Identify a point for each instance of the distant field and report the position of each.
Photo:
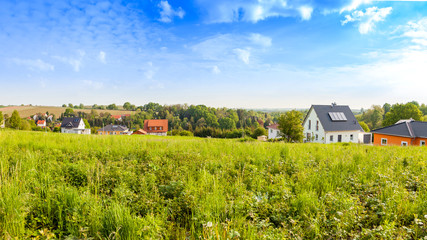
(66, 186)
(26, 111)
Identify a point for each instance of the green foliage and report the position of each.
(227, 123)
(64, 105)
(373, 117)
(290, 125)
(15, 120)
(364, 126)
(259, 132)
(24, 125)
(112, 107)
(69, 113)
(1, 117)
(87, 125)
(402, 111)
(121, 187)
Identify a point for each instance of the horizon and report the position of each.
(244, 54)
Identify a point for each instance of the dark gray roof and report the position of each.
(322, 112)
(115, 128)
(405, 129)
(70, 122)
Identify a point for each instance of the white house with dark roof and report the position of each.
(74, 125)
(331, 124)
(273, 131)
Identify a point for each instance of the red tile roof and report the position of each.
(41, 122)
(116, 116)
(140, 132)
(154, 125)
(274, 126)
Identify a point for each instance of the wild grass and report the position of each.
(144, 187)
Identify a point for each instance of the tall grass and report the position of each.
(143, 187)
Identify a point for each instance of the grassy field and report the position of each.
(141, 187)
(26, 111)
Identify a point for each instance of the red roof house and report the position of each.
(156, 127)
(41, 123)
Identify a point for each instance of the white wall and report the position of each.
(320, 133)
(345, 136)
(273, 133)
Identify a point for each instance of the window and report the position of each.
(317, 126)
(309, 124)
(161, 128)
(271, 130)
(351, 137)
(100, 133)
(317, 137)
(404, 144)
(331, 138)
(422, 143)
(308, 137)
(383, 141)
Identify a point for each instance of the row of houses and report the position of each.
(334, 123)
(76, 125)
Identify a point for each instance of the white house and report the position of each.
(331, 124)
(74, 125)
(41, 123)
(273, 131)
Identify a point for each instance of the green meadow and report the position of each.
(59, 186)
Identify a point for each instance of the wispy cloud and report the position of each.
(216, 70)
(34, 64)
(76, 63)
(102, 57)
(367, 20)
(306, 12)
(354, 4)
(93, 84)
(260, 39)
(416, 31)
(167, 13)
(243, 54)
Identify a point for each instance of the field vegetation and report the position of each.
(143, 187)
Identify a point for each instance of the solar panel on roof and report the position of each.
(337, 116)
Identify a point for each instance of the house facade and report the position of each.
(157, 127)
(331, 124)
(114, 130)
(273, 131)
(74, 125)
(403, 133)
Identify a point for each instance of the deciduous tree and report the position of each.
(15, 120)
(290, 125)
(402, 111)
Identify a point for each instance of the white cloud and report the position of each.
(102, 56)
(93, 84)
(367, 19)
(76, 63)
(242, 54)
(167, 13)
(253, 10)
(354, 5)
(36, 64)
(416, 31)
(260, 39)
(305, 12)
(216, 70)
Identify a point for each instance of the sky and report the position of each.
(222, 53)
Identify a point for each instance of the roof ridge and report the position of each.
(411, 132)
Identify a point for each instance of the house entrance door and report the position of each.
(339, 138)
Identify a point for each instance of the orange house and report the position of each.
(156, 127)
(403, 133)
(113, 130)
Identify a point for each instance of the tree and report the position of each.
(15, 120)
(1, 118)
(87, 126)
(112, 107)
(70, 105)
(386, 108)
(290, 125)
(227, 123)
(24, 125)
(81, 106)
(402, 111)
(127, 106)
(364, 126)
(259, 132)
(64, 105)
(373, 117)
(69, 112)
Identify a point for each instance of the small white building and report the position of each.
(74, 125)
(273, 131)
(41, 123)
(331, 124)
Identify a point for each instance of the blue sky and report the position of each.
(252, 54)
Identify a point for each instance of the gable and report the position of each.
(336, 118)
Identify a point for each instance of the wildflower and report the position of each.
(209, 224)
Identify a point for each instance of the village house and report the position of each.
(41, 123)
(74, 125)
(273, 131)
(403, 133)
(120, 117)
(331, 124)
(114, 130)
(157, 127)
